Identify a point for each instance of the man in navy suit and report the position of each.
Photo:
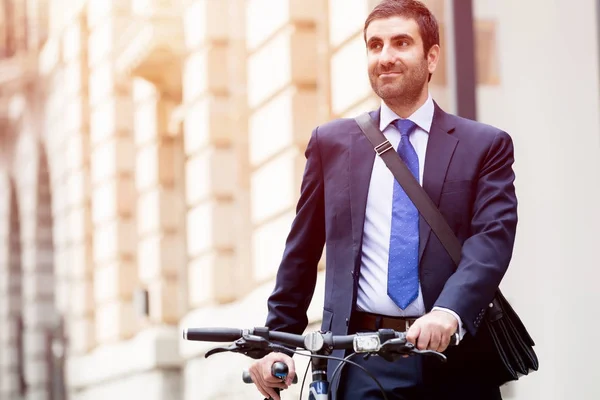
(384, 266)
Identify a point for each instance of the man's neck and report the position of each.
(405, 108)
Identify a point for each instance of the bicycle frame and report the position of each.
(319, 387)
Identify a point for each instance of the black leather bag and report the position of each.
(514, 354)
(511, 340)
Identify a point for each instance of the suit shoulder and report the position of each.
(469, 128)
(335, 127)
(335, 132)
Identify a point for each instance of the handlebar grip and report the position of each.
(454, 339)
(246, 377)
(278, 369)
(212, 334)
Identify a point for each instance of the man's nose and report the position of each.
(387, 57)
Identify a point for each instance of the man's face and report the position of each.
(398, 67)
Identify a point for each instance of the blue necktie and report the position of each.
(403, 265)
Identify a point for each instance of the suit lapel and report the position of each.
(362, 157)
(440, 148)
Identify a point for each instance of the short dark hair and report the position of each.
(428, 25)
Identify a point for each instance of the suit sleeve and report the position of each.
(297, 274)
(487, 252)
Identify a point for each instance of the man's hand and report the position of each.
(433, 331)
(260, 371)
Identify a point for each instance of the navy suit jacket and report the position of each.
(468, 174)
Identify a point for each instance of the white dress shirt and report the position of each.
(372, 283)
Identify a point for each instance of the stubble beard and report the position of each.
(407, 91)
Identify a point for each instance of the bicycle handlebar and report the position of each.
(363, 342)
(258, 342)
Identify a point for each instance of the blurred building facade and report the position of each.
(151, 153)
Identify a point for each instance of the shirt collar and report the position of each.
(423, 117)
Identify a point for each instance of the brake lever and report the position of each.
(249, 345)
(441, 356)
(216, 350)
(393, 349)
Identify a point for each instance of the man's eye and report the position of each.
(375, 46)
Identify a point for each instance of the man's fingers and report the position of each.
(433, 331)
(274, 381)
(265, 382)
(256, 381)
(278, 384)
(444, 343)
(260, 381)
(291, 371)
(267, 387)
(413, 334)
(435, 339)
(271, 381)
(272, 394)
(424, 338)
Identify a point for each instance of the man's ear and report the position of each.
(433, 56)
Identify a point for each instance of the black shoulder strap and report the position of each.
(411, 186)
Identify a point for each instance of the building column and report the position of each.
(282, 99)
(112, 176)
(37, 26)
(161, 204)
(16, 25)
(238, 99)
(31, 175)
(135, 222)
(66, 137)
(208, 137)
(67, 131)
(11, 345)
